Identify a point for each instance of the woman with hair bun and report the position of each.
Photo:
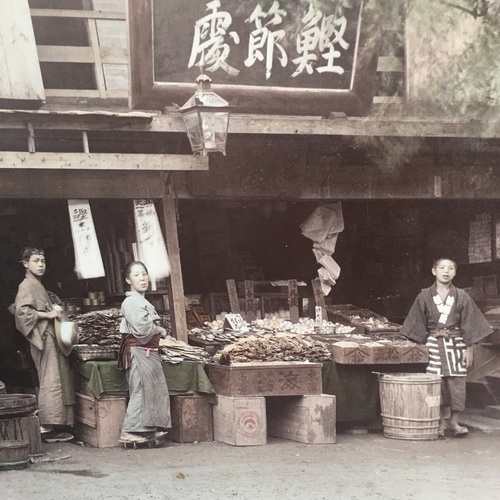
(148, 410)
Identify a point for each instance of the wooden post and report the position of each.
(233, 296)
(319, 297)
(249, 301)
(293, 300)
(176, 299)
(31, 138)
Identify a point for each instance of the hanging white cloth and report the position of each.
(150, 242)
(88, 260)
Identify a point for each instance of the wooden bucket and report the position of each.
(16, 405)
(13, 455)
(410, 404)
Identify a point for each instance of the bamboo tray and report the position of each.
(84, 352)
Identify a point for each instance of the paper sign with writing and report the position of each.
(234, 322)
(88, 260)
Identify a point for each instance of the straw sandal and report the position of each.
(459, 431)
(127, 437)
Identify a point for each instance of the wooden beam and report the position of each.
(252, 123)
(176, 299)
(84, 14)
(101, 161)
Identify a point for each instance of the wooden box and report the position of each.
(98, 422)
(240, 421)
(306, 419)
(414, 354)
(387, 354)
(351, 353)
(191, 418)
(266, 378)
(24, 429)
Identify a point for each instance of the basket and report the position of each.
(84, 352)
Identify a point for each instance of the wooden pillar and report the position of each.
(249, 301)
(233, 296)
(319, 298)
(293, 300)
(176, 299)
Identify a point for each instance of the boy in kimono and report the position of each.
(35, 311)
(449, 322)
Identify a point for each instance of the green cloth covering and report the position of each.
(104, 378)
(67, 383)
(355, 388)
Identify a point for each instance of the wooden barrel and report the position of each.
(410, 404)
(15, 405)
(13, 455)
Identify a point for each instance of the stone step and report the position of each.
(492, 411)
(478, 421)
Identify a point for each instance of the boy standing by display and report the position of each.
(35, 312)
(449, 322)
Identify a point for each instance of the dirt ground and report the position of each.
(356, 467)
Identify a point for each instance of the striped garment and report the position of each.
(446, 356)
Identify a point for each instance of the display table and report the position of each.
(356, 387)
(104, 377)
(101, 392)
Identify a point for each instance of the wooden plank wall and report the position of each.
(107, 51)
(20, 76)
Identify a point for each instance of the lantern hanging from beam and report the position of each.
(206, 116)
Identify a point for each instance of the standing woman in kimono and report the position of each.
(449, 322)
(148, 410)
(35, 310)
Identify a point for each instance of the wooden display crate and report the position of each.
(275, 378)
(191, 418)
(98, 422)
(306, 419)
(351, 353)
(23, 429)
(387, 354)
(414, 354)
(240, 421)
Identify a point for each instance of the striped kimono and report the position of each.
(446, 327)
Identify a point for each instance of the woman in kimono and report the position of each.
(35, 310)
(148, 410)
(449, 322)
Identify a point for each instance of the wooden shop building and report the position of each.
(87, 111)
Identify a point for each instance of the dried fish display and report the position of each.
(174, 351)
(370, 321)
(100, 334)
(214, 330)
(103, 327)
(99, 327)
(273, 347)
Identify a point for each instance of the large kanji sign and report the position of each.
(282, 56)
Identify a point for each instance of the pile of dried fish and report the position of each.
(273, 347)
(103, 327)
(173, 350)
(214, 330)
(224, 337)
(99, 327)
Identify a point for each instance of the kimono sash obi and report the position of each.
(447, 333)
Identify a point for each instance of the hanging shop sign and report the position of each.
(88, 260)
(272, 56)
(150, 242)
